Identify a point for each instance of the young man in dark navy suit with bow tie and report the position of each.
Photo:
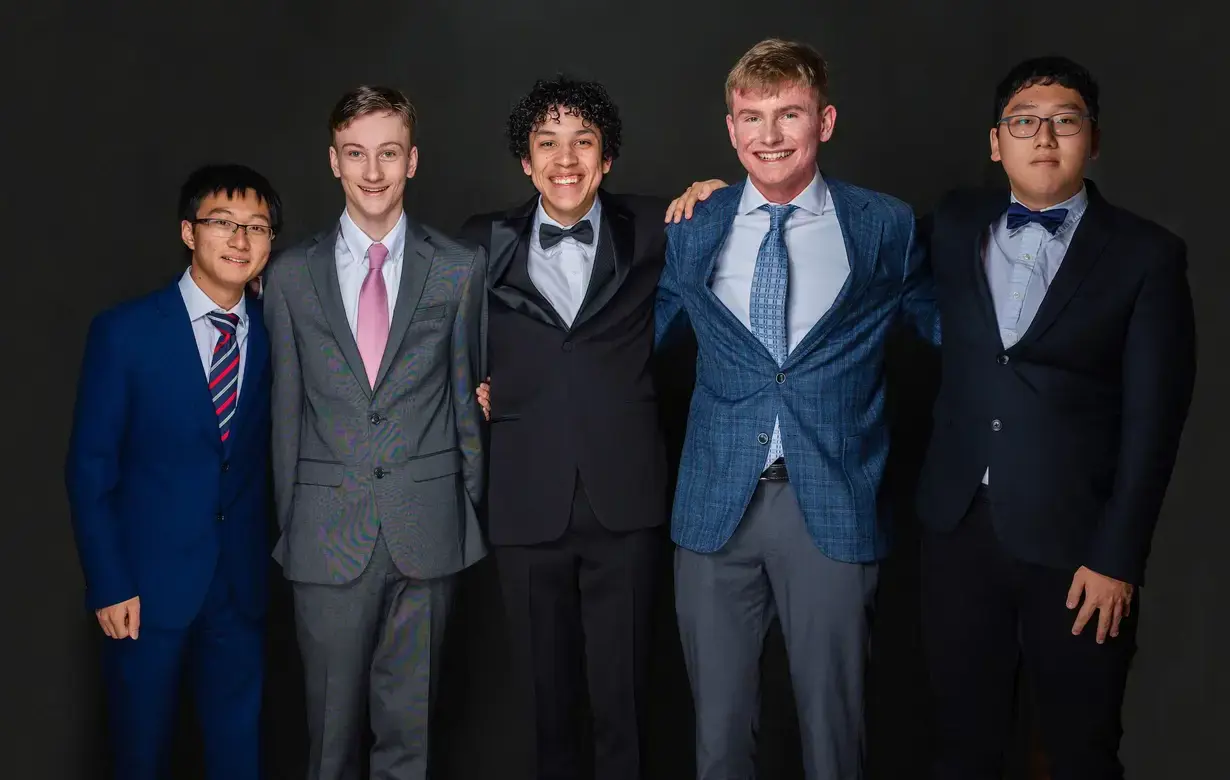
(1068, 365)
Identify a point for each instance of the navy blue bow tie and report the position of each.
(1051, 219)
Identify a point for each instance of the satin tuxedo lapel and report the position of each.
(861, 230)
(509, 280)
(185, 376)
(612, 260)
(322, 265)
(988, 212)
(416, 264)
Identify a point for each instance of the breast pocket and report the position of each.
(429, 314)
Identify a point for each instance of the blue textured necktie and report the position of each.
(770, 285)
(1051, 219)
(224, 370)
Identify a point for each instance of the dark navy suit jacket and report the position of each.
(159, 503)
(829, 394)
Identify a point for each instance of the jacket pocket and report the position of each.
(440, 464)
(318, 472)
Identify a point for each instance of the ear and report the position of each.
(730, 128)
(606, 165)
(526, 166)
(828, 120)
(187, 234)
(333, 162)
(412, 164)
(1095, 143)
(995, 144)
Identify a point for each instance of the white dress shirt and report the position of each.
(351, 255)
(206, 333)
(818, 262)
(1020, 265)
(562, 273)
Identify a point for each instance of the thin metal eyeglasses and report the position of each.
(227, 228)
(1027, 125)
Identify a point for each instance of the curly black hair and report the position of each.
(587, 99)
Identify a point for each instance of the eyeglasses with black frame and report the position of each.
(1027, 125)
(225, 228)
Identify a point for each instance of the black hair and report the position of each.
(1042, 71)
(587, 99)
(230, 178)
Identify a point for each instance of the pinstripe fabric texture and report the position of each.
(403, 458)
(827, 394)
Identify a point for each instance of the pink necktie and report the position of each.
(373, 325)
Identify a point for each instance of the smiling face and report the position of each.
(1048, 168)
(373, 158)
(225, 260)
(778, 135)
(566, 165)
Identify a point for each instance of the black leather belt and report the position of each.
(776, 472)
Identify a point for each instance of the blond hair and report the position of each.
(773, 64)
(366, 100)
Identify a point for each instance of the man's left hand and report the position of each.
(1110, 598)
(681, 207)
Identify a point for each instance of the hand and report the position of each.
(1109, 597)
(483, 391)
(120, 621)
(681, 207)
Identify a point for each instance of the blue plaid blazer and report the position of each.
(830, 392)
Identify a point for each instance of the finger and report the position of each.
(102, 623)
(1074, 592)
(670, 210)
(113, 628)
(1103, 622)
(1116, 617)
(134, 619)
(119, 619)
(1083, 616)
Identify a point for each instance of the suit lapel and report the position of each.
(509, 280)
(612, 260)
(255, 361)
(861, 231)
(185, 363)
(1090, 239)
(986, 214)
(322, 265)
(416, 264)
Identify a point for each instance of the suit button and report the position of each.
(763, 438)
(219, 517)
(379, 473)
(781, 379)
(225, 467)
(996, 425)
(375, 418)
(567, 346)
(1002, 360)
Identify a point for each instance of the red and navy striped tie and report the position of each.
(224, 370)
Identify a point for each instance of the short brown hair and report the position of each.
(774, 63)
(372, 100)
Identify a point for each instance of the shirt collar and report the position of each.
(813, 199)
(199, 304)
(1075, 205)
(541, 217)
(359, 242)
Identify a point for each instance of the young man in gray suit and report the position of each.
(375, 332)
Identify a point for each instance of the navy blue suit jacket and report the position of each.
(829, 394)
(159, 504)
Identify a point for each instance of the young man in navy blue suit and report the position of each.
(167, 481)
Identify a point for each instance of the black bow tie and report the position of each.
(550, 235)
(1051, 219)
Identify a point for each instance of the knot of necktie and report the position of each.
(778, 213)
(1051, 219)
(550, 235)
(377, 253)
(224, 321)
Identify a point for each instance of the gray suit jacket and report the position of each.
(404, 459)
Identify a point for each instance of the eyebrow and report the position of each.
(361, 147)
(582, 131)
(1015, 107)
(227, 212)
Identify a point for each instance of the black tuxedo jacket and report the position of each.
(1080, 420)
(580, 400)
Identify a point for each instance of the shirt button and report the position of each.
(1016, 296)
(763, 438)
(996, 425)
(1026, 257)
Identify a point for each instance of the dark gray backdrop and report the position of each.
(107, 110)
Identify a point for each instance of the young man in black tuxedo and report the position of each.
(1068, 365)
(578, 473)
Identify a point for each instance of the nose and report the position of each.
(1046, 136)
(371, 171)
(568, 156)
(239, 239)
(770, 133)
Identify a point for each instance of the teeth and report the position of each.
(565, 180)
(373, 191)
(773, 155)
(234, 260)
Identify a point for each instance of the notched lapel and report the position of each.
(1090, 239)
(417, 258)
(322, 265)
(187, 366)
(255, 362)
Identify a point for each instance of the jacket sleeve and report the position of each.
(469, 353)
(286, 411)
